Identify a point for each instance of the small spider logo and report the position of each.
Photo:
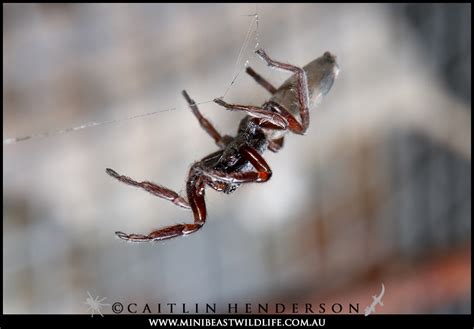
(95, 304)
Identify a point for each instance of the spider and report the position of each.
(239, 159)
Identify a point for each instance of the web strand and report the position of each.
(236, 73)
(237, 69)
(14, 140)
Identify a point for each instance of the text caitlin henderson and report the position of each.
(240, 308)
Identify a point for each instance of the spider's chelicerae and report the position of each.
(239, 159)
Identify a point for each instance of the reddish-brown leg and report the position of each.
(157, 190)
(262, 174)
(261, 81)
(293, 125)
(276, 119)
(301, 88)
(199, 177)
(221, 141)
(195, 190)
(162, 234)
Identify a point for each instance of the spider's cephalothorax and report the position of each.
(239, 159)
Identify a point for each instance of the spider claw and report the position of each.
(112, 172)
(220, 102)
(186, 96)
(263, 55)
(260, 52)
(121, 235)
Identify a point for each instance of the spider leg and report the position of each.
(195, 190)
(221, 141)
(162, 234)
(198, 178)
(261, 81)
(263, 173)
(301, 87)
(293, 125)
(157, 190)
(267, 116)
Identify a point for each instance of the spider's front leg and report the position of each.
(198, 178)
(195, 191)
(263, 173)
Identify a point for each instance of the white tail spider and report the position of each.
(239, 159)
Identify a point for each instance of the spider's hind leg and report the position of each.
(301, 89)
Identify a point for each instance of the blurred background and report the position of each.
(378, 191)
